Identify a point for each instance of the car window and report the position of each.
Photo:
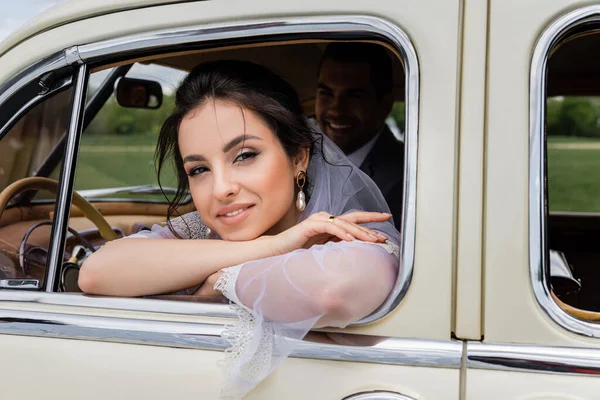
(116, 160)
(116, 156)
(573, 140)
(114, 164)
(24, 151)
(27, 145)
(572, 145)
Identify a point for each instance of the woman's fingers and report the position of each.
(325, 227)
(369, 231)
(344, 230)
(363, 217)
(346, 227)
(359, 232)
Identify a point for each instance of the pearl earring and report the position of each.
(301, 199)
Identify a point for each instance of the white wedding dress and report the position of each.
(279, 299)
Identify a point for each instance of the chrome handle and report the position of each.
(20, 284)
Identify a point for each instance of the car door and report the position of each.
(61, 345)
(536, 345)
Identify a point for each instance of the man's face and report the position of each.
(347, 108)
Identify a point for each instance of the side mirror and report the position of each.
(139, 93)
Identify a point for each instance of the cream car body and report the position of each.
(468, 324)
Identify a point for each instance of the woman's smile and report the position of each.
(234, 214)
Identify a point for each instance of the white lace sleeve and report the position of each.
(279, 299)
(187, 226)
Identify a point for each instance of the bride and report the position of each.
(285, 227)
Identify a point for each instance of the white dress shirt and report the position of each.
(358, 156)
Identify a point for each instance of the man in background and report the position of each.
(354, 98)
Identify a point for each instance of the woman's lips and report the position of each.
(235, 216)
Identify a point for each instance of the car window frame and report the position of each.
(352, 27)
(539, 268)
(122, 71)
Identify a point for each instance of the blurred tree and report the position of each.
(113, 119)
(573, 116)
(553, 110)
(398, 113)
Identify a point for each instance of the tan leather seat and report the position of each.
(589, 316)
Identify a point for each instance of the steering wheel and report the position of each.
(37, 183)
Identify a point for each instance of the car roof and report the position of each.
(73, 10)
(570, 60)
(306, 54)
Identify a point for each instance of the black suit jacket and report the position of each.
(385, 165)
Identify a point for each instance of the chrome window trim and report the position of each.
(203, 336)
(378, 395)
(527, 358)
(67, 179)
(330, 25)
(117, 303)
(28, 75)
(29, 105)
(17, 82)
(537, 158)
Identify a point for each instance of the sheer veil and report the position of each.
(273, 297)
(338, 186)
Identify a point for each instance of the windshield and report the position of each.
(27, 145)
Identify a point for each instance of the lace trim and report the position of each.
(248, 359)
(390, 247)
(226, 282)
(191, 226)
(251, 339)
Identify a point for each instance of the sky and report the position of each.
(17, 12)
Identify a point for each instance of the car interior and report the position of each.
(573, 235)
(116, 192)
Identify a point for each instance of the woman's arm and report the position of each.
(154, 264)
(146, 266)
(332, 284)
(279, 299)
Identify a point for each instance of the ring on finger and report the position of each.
(331, 218)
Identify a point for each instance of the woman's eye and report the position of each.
(246, 155)
(197, 170)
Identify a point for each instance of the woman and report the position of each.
(293, 234)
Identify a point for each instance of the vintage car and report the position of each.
(497, 292)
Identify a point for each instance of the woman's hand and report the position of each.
(320, 229)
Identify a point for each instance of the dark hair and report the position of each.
(380, 65)
(246, 84)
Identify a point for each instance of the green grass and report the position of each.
(574, 180)
(119, 140)
(108, 170)
(570, 139)
(112, 161)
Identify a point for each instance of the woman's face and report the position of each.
(240, 177)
